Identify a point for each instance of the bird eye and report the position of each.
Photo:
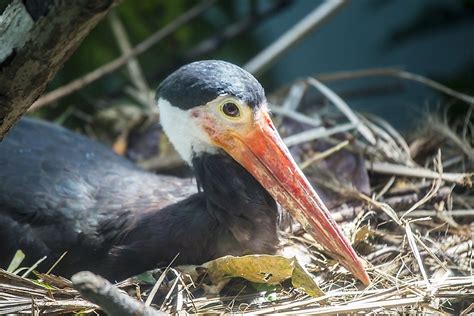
(231, 109)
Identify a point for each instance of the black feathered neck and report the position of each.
(233, 195)
(232, 215)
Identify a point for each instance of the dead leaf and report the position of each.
(302, 279)
(362, 234)
(266, 269)
(255, 268)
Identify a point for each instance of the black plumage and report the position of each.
(60, 191)
(199, 82)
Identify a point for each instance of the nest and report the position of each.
(405, 203)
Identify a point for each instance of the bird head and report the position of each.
(211, 106)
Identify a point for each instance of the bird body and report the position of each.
(61, 192)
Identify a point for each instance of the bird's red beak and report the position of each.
(263, 153)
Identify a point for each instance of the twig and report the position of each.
(114, 302)
(416, 253)
(385, 207)
(466, 124)
(316, 133)
(56, 263)
(382, 251)
(418, 172)
(468, 310)
(344, 108)
(297, 116)
(291, 103)
(110, 67)
(447, 132)
(431, 253)
(134, 69)
(247, 23)
(392, 72)
(34, 266)
(158, 283)
(387, 144)
(323, 155)
(433, 190)
(308, 24)
(171, 290)
(385, 188)
(409, 199)
(295, 95)
(451, 213)
(399, 144)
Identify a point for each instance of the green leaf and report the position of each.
(146, 277)
(16, 261)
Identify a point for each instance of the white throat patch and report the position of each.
(183, 131)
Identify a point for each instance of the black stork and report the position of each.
(61, 192)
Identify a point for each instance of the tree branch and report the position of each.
(114, 302)
(36, 38)
(294, 35)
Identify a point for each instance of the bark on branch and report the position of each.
(114, 302)
(36, 38)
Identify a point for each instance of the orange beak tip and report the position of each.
(362, 274)
(358, 268)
